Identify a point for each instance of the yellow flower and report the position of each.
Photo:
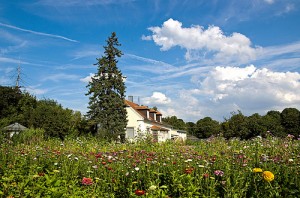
(268, 176)
(257, 170)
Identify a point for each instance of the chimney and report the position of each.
(130, 98)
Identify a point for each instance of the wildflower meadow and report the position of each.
(87, 167)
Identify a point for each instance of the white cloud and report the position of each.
(210, 43)
(81, 3)
(37, 33)
(157, 98)
(269, 1)
(248, 89)
(273, 51)
(36, 91)
(88, 78)
(251, 87)
(11, 60)
(87, 51)
(60, 76)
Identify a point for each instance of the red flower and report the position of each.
(109, 168)
(205, 175)
(139, 192)
(103, 163)
(188, 170)
(87, 181)
(98, 155)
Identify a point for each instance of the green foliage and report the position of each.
(47, 114)
(207, 127)
(191, 128)
(175, 122)
(290, 120)
(235, 126)
(107, 93)
(27, 105)
(272, 122)
(10, 97)
(30, 136)
(50, 116)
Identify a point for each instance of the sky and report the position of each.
(189, 58)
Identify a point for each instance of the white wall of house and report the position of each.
(182, 135)
(135, 121)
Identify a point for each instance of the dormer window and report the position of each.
(153, 114)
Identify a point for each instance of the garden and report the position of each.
(88, 167)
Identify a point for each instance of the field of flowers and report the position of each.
(85, 167)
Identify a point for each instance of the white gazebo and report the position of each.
(15, 128)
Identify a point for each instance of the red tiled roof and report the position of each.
(142, 107)
(138, 109)
(157, 128)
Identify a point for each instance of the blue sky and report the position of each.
(190, 58)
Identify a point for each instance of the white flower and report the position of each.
(95, 166)
(137, 168)
(152, 187)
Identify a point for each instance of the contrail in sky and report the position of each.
(38, 33)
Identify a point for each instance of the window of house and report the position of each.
(130, 132)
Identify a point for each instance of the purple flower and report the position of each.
(219, 173)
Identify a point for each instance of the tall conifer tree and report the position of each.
(107, 93)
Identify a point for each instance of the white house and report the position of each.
(143, 120)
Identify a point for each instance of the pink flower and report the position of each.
(219, 173)
(87, 181)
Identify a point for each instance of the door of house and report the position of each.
(155, 135)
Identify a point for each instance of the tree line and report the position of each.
(274, 123)
(46, 114)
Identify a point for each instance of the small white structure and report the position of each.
(13, 129)
(144, 121)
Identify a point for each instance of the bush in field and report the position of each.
(30, 136)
